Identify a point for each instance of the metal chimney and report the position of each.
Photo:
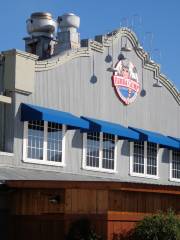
(41, 27)
(68, 37)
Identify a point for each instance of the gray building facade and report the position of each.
(79, 80)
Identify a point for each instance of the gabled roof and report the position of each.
(102, 41)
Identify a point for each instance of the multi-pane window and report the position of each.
(44, 142)
(35, 140)
(99, 151)
(151, 159)
(144, 159)
(108, 147)
(93, 144)
(54, 142)
(138, 157)
(175, 165)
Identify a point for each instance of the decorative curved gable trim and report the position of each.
(98, 45)
(59, 60)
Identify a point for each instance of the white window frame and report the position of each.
(44, 161)
(144, 175)
(100, 168)
(170, 168)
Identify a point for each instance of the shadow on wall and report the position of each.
(125, 149)
(165, 155)
(77, 140)
(19, 125)
(93, 79)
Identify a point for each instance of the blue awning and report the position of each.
(157, 138)
(176, 139)
(112, 128)
(36, 113)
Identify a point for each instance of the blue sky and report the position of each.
(159, 30)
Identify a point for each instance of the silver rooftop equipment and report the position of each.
(68, 37)
(42, 30)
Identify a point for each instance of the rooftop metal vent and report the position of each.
(42, 30)
(41, 24)
(68, 21)
(68, 36)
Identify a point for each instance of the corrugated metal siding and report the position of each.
(68, 88)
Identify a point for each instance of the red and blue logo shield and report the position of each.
(125, 81)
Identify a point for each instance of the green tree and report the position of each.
(160, 226)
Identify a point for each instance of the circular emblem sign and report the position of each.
(125, 81)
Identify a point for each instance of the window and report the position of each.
(138, 157)
(175, 165)
(99, 151)
(54, 142)
(144, 159)
(108, 148)
(152, 152)
(44, 142)
(35, 140)
(93, 145)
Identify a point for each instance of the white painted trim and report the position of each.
(174, 180)
(64, 132)
(158, 158)
(131, 158)
(100, 168)
(145, 158)
(25, 140)
(44, 161)
(170, 165)
(84, 149)
(45, 142)
(115, 154)
(170, 168)
(95, 169)
(5, 99)
(143, 175)
(6, 154)
(152, 176)
(101, 150)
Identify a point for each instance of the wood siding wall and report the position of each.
(139, 202)
(112, 212)
(88, 201)
(72, 201)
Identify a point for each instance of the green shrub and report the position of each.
(158, 227)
